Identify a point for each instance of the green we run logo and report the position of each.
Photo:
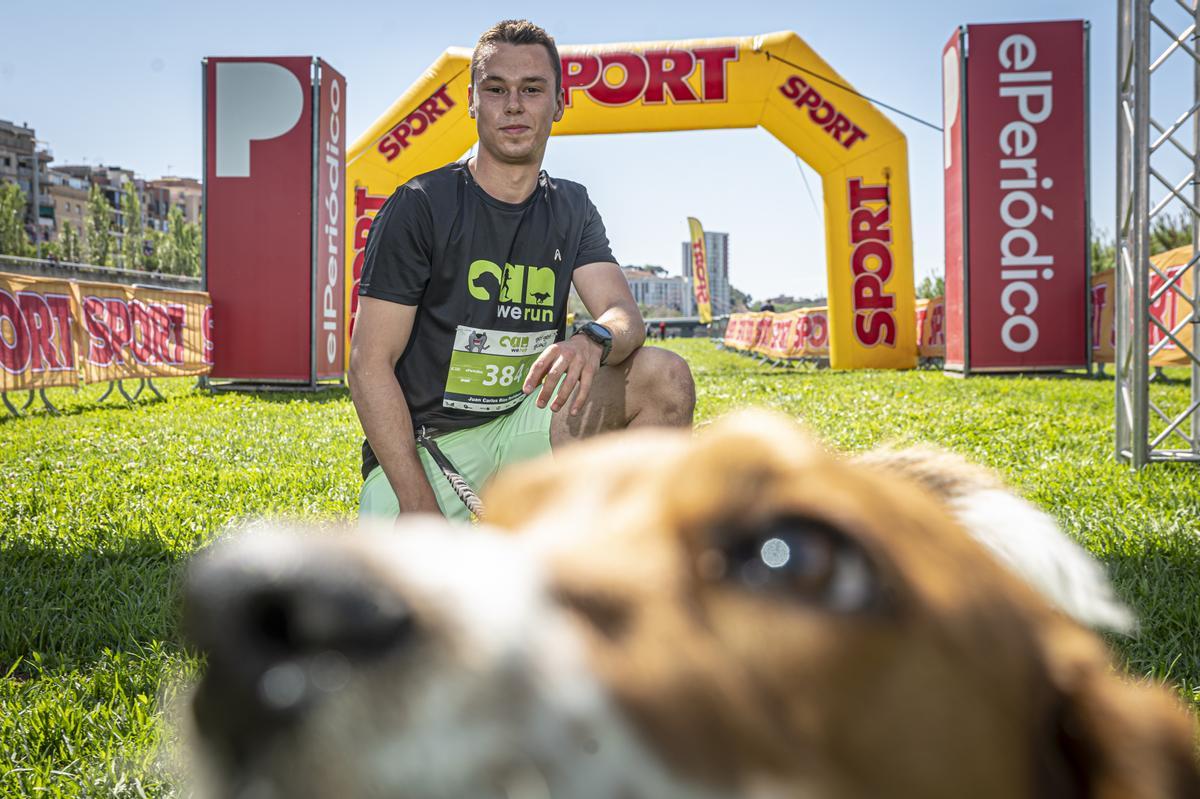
(524, 293)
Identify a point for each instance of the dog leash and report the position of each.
(463, 491)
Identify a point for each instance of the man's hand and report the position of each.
(574, 362)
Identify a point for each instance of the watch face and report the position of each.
(599, 331)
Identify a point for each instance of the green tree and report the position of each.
(156, 251)
(99, 229)
(133, 229)
(13, 203)
(52, 251)
(180, 246)
(1104, 252)
(1170, 231)
(931, 286)
(740, 300)
(71, 247)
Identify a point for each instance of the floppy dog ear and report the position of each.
(1106, 738)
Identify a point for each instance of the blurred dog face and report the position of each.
(652, 615)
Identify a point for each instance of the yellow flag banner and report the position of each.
(63, 332)
(1173, 286)
(37, 326)
(700, 271)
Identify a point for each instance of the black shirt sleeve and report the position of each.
(593, 244)
(399, 253)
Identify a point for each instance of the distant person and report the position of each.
(767, 306)
(464, 291)
(662, 331)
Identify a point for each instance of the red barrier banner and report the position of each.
(37, 329)
(1024, 278)
(1170, 309)
(812, 334)
(60, 332)
(142, 332)
(1104, 305)
(802, 333)
(781, 335)
(931, 327)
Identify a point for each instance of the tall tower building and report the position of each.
(717, 246)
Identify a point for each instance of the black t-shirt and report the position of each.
(490, 280)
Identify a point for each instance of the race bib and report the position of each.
(488, 367)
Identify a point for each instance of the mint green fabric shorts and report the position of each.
(476, 452)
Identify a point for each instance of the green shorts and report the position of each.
(477, 452)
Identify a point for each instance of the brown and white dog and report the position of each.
(657, 616)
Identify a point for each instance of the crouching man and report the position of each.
(459, 338)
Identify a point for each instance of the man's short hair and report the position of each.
(516, 31)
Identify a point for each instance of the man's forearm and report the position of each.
(385, 419)
(628, 331)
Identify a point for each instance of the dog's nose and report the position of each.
(280, 629)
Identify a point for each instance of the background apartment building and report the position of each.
(21, 162)
(186, 194)
(60, 194)
(653, 288)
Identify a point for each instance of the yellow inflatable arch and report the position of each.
(775, 80)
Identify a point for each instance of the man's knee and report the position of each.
(664, 386)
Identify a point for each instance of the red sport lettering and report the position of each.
(45, 342)
(95, 321)
(871, 263)
(206, 328)
(715, 61)
(1099, 300)
(668, 73)
(822, 112)
(16, 348)
(650, 76)
(396, 140)
(120, 326)
(578, 72)
(365, 207)
(937, 325)
(633, 81)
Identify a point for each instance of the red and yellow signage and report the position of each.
(61, 333)
(931, 327)
(804, 333)
(275, 233)
(691, 85)
(700, 271)
(1016, 183)
(37, 330)
(1170, 309)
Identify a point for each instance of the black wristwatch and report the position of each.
(601, 335)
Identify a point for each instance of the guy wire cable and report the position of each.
(855, 92)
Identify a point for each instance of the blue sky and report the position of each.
(119, 83)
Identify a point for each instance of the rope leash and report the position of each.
(463, 491)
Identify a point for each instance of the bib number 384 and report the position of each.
(487, 367)
(503, 375)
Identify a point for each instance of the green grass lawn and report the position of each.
(101, 507)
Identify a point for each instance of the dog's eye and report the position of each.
(799, 558)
